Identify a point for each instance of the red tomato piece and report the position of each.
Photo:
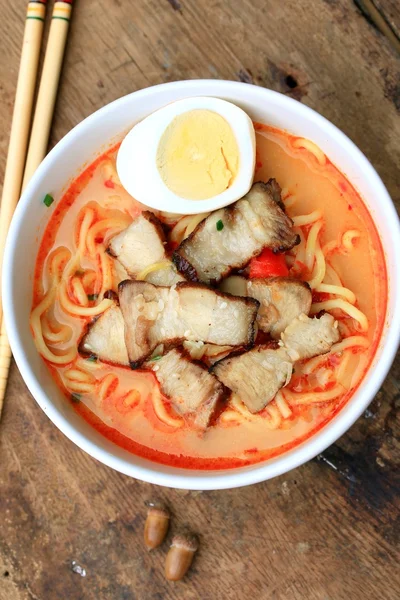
(268, 264)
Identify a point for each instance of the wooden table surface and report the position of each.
(326, 531)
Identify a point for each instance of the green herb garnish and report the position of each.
(48, 200)
(219, 225)
(92, 297)
(156, 357)
(92, 358)
(75, 397)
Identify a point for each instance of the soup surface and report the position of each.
(339, 254)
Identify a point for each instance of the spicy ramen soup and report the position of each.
(196, 402)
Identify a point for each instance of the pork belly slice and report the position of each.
(105, 337)
(230, 237)
(281, 299)
(158, 315)
(141, 245)
(257, 375)
(120, 273)
(305, 337)
(193, 391)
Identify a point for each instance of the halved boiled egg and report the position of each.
(194, 155)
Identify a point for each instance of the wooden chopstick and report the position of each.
(49, 81)
(39, 135)
(21, 120)
(5, 359)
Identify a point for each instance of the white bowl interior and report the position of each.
(78, 149)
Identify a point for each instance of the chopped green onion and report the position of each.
(75, 397)
(219, 225)
(92, 297)
(92, 358)
(48, 200)
(156, 357)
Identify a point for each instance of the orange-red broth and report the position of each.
(135, 425)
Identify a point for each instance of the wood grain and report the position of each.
(326, 531)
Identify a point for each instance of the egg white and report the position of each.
(137, 157)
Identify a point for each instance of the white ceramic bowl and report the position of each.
(81, 146)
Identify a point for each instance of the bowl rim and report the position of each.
(189, 479)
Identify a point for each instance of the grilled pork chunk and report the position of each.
(255, 376)
(120, 273)
(230, 237)
(193, 391)
(141, 245)
(305, 337)
(159, 315)
(281, 299)
(105, 337)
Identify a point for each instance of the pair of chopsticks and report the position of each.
(23, 159)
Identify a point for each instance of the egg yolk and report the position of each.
(198, 156)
